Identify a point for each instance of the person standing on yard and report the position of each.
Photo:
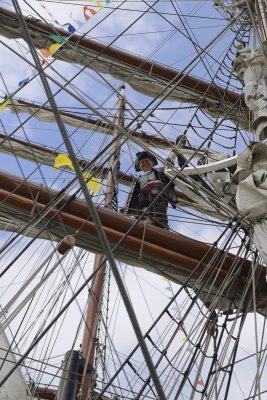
(147, 187)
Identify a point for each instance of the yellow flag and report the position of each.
(54, 48)
(4, 105)
(92, 183)
(185, 339)
(100, 5)
(63, 161)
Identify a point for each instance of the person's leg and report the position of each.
(158, 213)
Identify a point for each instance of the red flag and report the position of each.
(89, 10)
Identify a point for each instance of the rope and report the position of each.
(142, 241)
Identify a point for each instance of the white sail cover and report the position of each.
(251, 67)
(251, 198)
(15, 387)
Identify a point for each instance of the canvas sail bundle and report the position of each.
(251, 197)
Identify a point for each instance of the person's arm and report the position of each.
(170, 192)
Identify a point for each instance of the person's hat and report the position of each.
(140, 156)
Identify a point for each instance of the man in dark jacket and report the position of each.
(146, 189)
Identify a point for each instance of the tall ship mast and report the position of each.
(102, 297)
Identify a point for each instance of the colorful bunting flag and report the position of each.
(57, 38)
(3, 106)
(24, 82)
(45, 53)
(200, 382)
(88, 12)
(185, 339)
(70, 27)
(100, 5)
(54, 47)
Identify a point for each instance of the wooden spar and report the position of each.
(169, 254)
(143, 64)
(95, 295)
(45, 114)
(50, 394)
(45, 155)
(191, 88)
(45, 393)
(97, 124)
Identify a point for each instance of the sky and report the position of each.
(154, 36)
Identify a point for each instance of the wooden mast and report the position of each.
(95, 295)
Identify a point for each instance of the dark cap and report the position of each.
(141, 155)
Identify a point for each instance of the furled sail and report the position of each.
(45, 114)
(162, 252)
(145, 76)
(46, 156)
(251, 198)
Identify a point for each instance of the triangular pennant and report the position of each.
(58, 39)
(3, 106)
(200, 382)
(53, 48)
(45, 53)
(99, 5)
(70, 27)
(24, 82)
(88, 12)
